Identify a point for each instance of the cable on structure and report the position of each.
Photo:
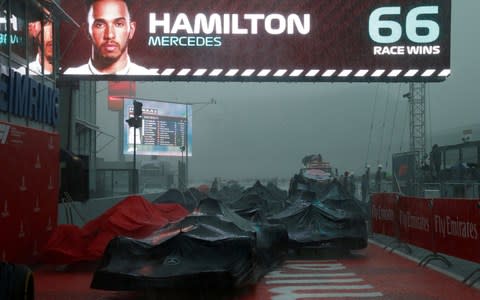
(380, 151)
(371, 125)
(389, 152)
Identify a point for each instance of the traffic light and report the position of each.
(137, 108)
(130, 122)
(134, 122)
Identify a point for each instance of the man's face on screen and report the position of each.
(34, 30)
(48, 41)
(110, 30)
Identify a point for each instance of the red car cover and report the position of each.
(133, 217)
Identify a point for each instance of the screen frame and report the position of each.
(173, 109)
(351, 65)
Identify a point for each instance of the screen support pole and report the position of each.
(135, 177)
(186, 147)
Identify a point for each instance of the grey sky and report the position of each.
(264, 129)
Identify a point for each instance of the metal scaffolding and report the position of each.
(418, 137)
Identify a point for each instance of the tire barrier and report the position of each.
(16, 282)
(440, 225)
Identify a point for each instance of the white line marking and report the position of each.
(337, 287)
(312, 281)
(301, 285)
(279, 274)
(327, 295)
(283, 289)
(311, 261)
(316, 266)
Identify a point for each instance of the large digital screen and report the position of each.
(27, 35)
(258, 40)
(166, 129)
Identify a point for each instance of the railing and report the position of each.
(455, 189)
(446, 189)
(113, 182)
(120, 182)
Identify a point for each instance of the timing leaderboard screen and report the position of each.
(166, 128)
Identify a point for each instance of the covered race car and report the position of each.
(259, 201)
(322, 213)
(213, 247)
(134, 217)
(199, 251)
(314, 174)
(324, 217)
(188, 198)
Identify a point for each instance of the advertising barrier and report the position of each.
(384, 213)
(414, 219)
(446, 226)
(29, 191)
(456, 228)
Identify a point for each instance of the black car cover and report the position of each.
(212, 247)
(324, 216)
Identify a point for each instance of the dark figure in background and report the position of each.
(459, 170)
(214, 188)
(364, 186)
(367, 172)
(351, 184)
(345, 180)
(435, 161)
(378, 179)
